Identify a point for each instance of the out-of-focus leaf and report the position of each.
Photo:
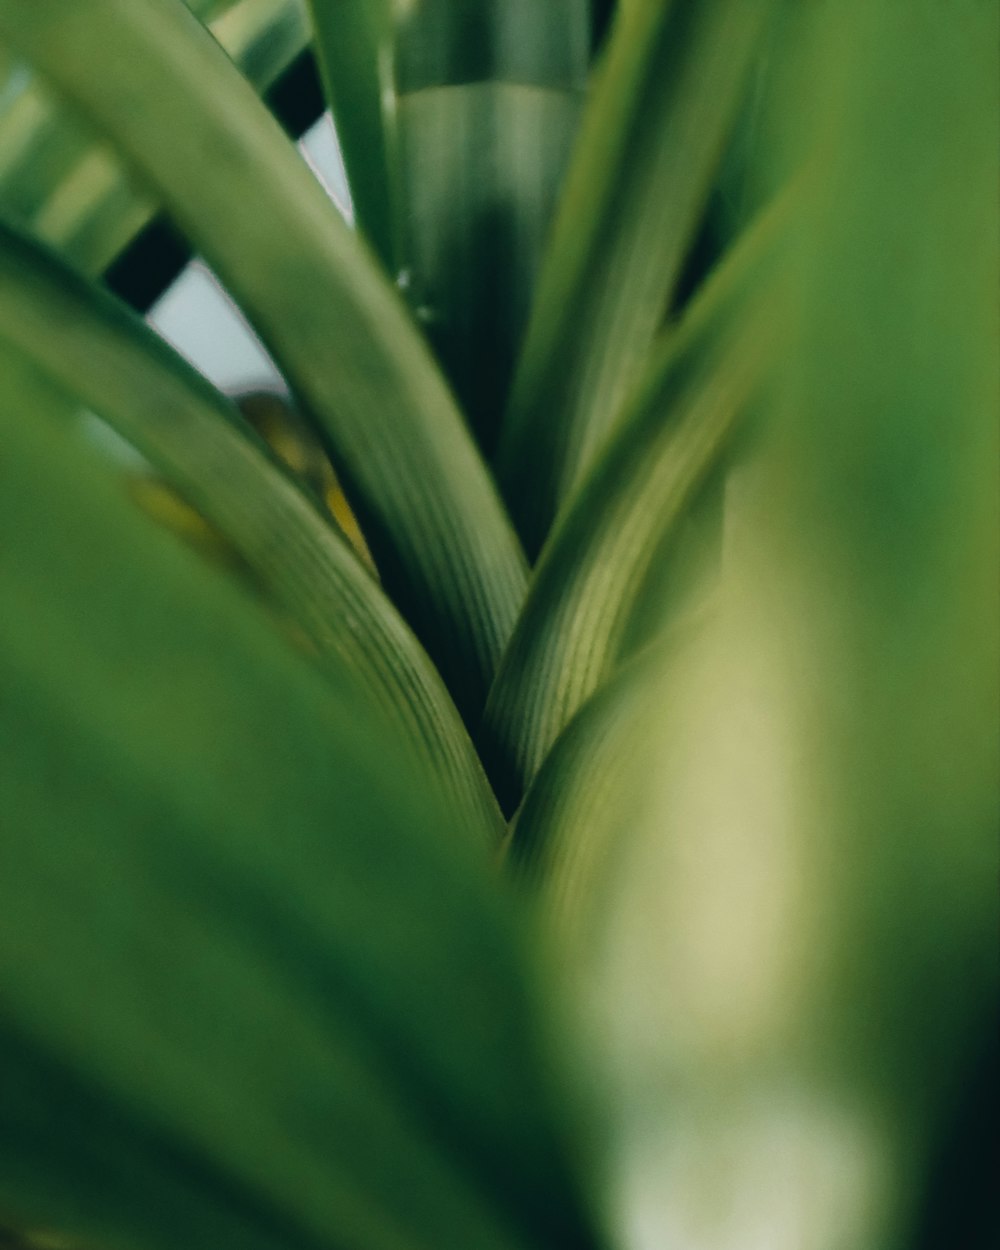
(114, 365)
(354, 46)
(443, 545)
(489, 95)
(798, 969)
(67, 186)
(590, 580)
(653, 134)
(257, 990)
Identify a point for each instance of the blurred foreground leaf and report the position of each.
(256, 989)
(792, 963)
(64, 183)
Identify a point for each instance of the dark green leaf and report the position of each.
(354, 45)
(489, 98)
(257, 989)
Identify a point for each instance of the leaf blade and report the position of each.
(588, 587)
(489, 95)
(354, 46)
(431, 515)
(61, 182)
(198, 842)
(661, 107)
(113, 364)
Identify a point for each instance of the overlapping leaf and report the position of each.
(592, 575)
(118, 368)
(659, 115)
(489, 95)
(256, 989)
(444, 546)
(796, 961)
(64, 184)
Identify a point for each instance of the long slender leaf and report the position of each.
(69, 188)
(354, 44)
(114, 365)
(650, 143)
(490, 93)
(590, 580)
(256, 989)
(799, 968)
(433, 520)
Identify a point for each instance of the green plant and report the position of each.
(617, 866)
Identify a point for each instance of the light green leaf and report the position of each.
(443, 545)
(660, 112)
(798, 965)
(489, 99)
(111, 363)
(68, 187)
(592, 576)
(257, 990)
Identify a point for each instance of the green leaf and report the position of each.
(353, 41)
(593, 574)
(660, 112)
(489, 99)
(797, 967)
(111, 363)
(257, 989)
(562, 843)
(443, 545)
(64, 184)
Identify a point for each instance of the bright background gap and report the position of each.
(198, 317)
